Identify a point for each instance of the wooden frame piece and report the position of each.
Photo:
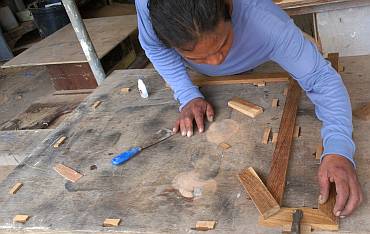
(245, 107)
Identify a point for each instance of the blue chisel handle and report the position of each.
(123, 157)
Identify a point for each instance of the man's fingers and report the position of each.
(355, 199)
(342, 196)
(210, 113)
(176, 126)
(324, 188)
(189, 126)
(182, 127)
(199, 121)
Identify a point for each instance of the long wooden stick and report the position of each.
(280, 159)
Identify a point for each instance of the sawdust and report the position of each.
(222, 131)
(186, 182)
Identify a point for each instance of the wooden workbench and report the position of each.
(62, 54)
(141, 191)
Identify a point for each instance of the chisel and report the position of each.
(160, 136)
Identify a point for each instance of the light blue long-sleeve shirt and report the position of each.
(262, 32)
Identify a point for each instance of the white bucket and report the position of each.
(7, 19)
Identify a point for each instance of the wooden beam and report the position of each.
(262, 198)
(252, 78)
(279, 164)
(245, 107)
(312, 217)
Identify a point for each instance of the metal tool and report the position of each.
(160, 136)
(296, 225)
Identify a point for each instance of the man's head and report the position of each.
(200, 30)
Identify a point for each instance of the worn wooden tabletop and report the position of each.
(144, 192)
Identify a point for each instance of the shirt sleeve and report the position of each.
(166, 61)
(322, 84)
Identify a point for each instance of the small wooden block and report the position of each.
(59, 142)
(319, 150)
(15, 188)
(266, 135)
(224, 146)
(67, 173)
(96, 104)
(20, 218)
(274, 137)
(261, 84)
(245, 107)
(297, 132)
(125, 90)
(111, 222)
(262, 198)
(205, 225)
(285, 92)
(275, 103)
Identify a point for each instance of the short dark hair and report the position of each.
(180, 23)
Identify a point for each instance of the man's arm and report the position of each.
(326, 90)
(166, 61)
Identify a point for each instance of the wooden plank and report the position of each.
(67, 173)
(266, 135)
(252, 78)
(111, 222)
(21, 218)
(312, 217)
(262, 198)
(275, 103)
(280, 158)
(363, 112)
(245, 107)
(63, 47)
(205, 225)
(15, 188)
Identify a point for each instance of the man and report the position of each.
(225, 37)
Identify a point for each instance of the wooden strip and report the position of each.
(266, 135)
(20, 218)
(297, 132)
(96, 104)
(328, 207)
(111, 222)
(73, 92)
(224, 146)
(205, 225)
(319, 150)
(15, 188)
(59, 142)
(275, 137)
(245, 107)
(311, 217)
(280, 159)
(67, 173)
(253, 78)
(262, 198)
(275, 103)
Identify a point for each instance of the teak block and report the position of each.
(205, 225)
(275, 103)
(59, 142)
(15, 188)
(275, 137)
(319, 150)
(245, 107)
(224, 146)
(262, 198)
(67, 173)
(125, 90)
(297, 132)
(96, 104)
(266, 135)
(111, 222)
(20, 218)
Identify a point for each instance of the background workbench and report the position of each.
(141, 192)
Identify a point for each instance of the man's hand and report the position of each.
(339, 170)
(195, 109)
